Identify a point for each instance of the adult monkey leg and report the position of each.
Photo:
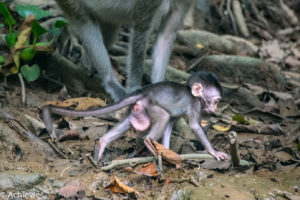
(95, 37)
(145, 12)
(94, 44)
(164, 43)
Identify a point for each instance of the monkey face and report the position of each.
(211, 96)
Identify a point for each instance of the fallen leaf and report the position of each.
(272, 50)
(272, 129)
(169, 180)
(148, 170)
(72, 190)
(240, 118)
(200, 46)
(167, 154)
(116, 186)
(69, 135)
(222, 128)
(204, 123)
(81, 103)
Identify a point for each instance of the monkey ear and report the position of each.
(197, 89)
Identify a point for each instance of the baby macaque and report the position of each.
(158, 106)
(97, 22)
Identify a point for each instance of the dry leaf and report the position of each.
(200, 46)
(14, 56)
(116, 186)
(169, 180)
(81, 103)
(221, 128)
(204, 123)
(148, 170)
(167, 154)
(271, 49)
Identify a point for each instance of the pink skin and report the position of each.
(218, 154)
(139, 118)
(211, 97)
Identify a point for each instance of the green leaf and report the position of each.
(37, 29)
(2, 59)
(28, 54)
(11, 39)
(1, 25)
(62, 22)
(26, 10)
(240, 118)
(55, 30)
(43, 44)
(30, 73)
(8, 18)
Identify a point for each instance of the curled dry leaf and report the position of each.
(148, 170)
(68, 135)
(116, 186)
(81, 103)
(167, 154)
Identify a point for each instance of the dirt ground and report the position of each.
(261, 103)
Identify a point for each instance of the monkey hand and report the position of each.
(218, 154)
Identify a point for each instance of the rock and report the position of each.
(72, 190)
(11, 180)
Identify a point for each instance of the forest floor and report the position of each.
(261, 103)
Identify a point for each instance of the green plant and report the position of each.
(22, 48)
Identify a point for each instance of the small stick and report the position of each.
(56, 149)
(131, 162)
(234, 152)
(193, 181)
(22, 88)
(90, 158)
(198, 61)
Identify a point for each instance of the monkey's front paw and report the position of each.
(218, 155)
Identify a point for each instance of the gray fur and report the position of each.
(96, 23)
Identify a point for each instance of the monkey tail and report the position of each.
(97, 111)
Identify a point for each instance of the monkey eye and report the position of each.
(216, 102)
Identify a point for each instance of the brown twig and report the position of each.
(90, 158)
(198, 61)
(56, 149)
